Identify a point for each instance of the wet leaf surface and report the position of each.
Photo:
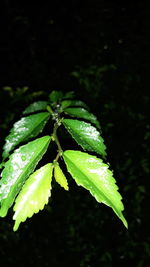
(24, 130)
(83, 114)
(94, 175)
(18, 168)
(34, 194)
(36, 106)
(86, 136)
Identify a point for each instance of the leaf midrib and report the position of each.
(105, 197)
(28, 166)
(13, 188)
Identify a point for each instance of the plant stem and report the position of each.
(57, 157)
(55, 138)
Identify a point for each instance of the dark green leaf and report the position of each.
(73, 103)
(55, 96)
(69, 95)
(18, 168)
(86, 135)
(34, 195)
(36, 106)
(94, 175)
(65, 104)
(25, 129)
(83, 114)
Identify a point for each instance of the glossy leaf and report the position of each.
(36, 106)
(83, 114)
(85, 135)
(94, 175)
(60, 177)
(18, 168)
(72, 103)
(25, 129)
(34, 195)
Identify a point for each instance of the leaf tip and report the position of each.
(124, 222)
(66, 188)
(60, 177)
(16, 226)
(3, 211)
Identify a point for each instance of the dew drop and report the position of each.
(23, 158)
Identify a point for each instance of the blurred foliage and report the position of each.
(91, 77)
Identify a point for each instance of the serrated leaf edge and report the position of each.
(120, 215)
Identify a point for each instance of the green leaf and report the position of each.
(18, 168)
(25, 129)
(55, 96)
(94, 175)
(36, 106)
(83, 114)
(69, 95)
(85, 135)
(34, 195)
(73, 103)
(60, 177)
(65, 104)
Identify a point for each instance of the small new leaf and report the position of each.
(36, 106)
(60, 177)
(94, 175)
(18, 168)
(86, 136)
(69, 95)
(34, 195)
(73, 103)
(55, 96)
(25, 129)
(83, 114)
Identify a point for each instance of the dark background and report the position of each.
(100, 49)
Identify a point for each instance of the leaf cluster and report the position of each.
(28, 188)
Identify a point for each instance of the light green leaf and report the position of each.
(94, 175)
(25, 129)
(85, 135)
(36, 106)
(83, 114)
(73, 103)
(34, 195)
(18, 168)
(60, 177)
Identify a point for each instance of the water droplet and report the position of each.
(23, 158)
